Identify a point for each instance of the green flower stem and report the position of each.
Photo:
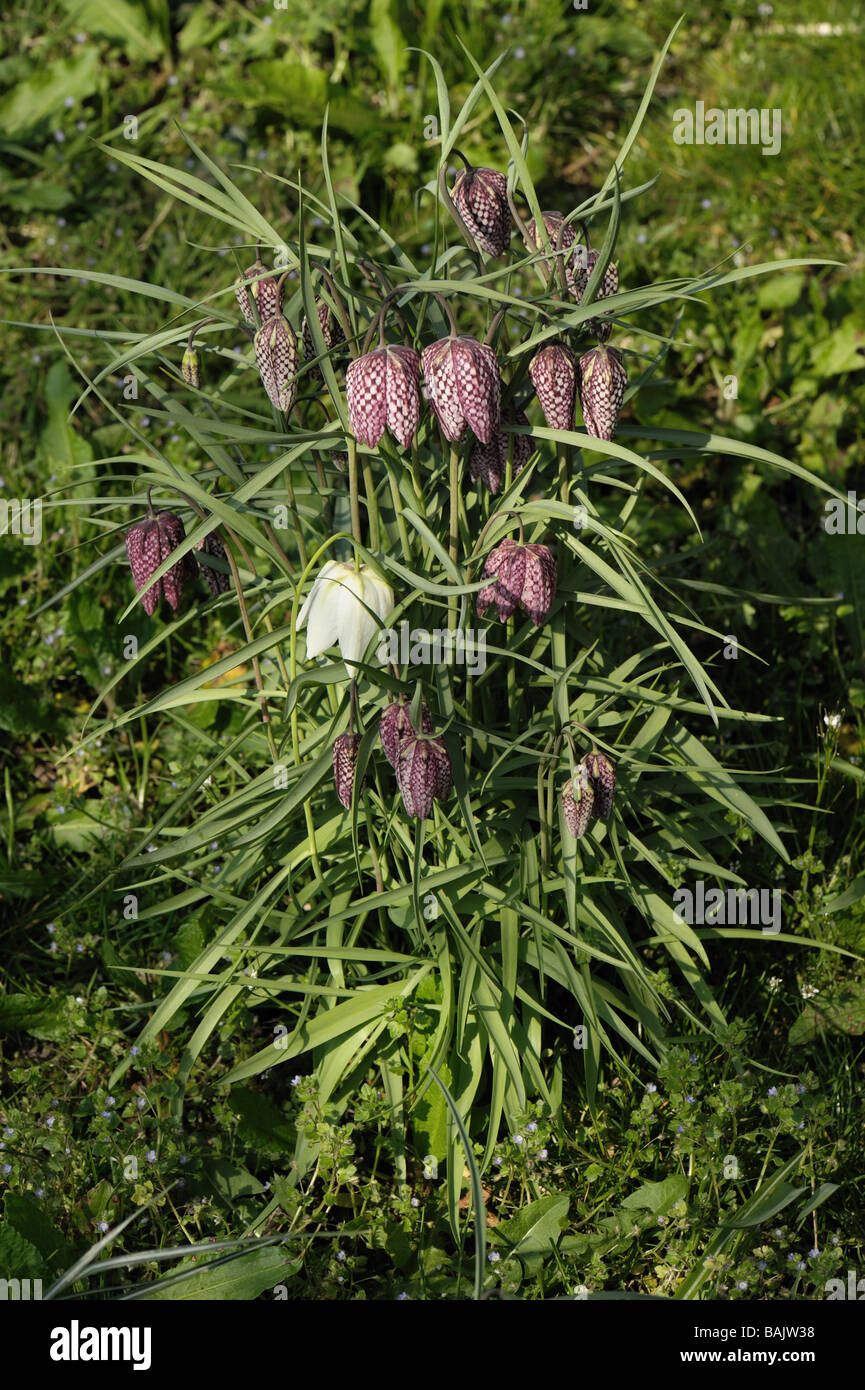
(454, 532)
(353, 496)
(397, 507)
(371, 504)
(379, 882)
(513, 694)
(301, 544)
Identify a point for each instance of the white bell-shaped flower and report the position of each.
(342, 607)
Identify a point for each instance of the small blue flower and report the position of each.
(542, 1153)
(401, 1297)
(414, 1202)
(150, 1155)
(340, 1254)
(651, 1087)
(800, 1090)
(518, 1139)
(134, 1050)
(690, 1100)
(772, 1091)
(102, 1226)
(761, 1265)
(531, 1127)
(494, 1257)
(39, 1192)
(742, 1284)
(6, 1169)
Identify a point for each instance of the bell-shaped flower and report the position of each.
(464, 386)
(602, 388)
(345, 606)
(521, 576)
(383, 391)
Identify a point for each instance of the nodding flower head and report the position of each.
(344, 606)
(562, 236)
(190, 367)
(481, 199)
(217, 581)
(331, 331)
(602, 773)
(553, 372)
(423, 774)
(601, 327)
(395, 725)
(383, 392)
(464, 386)
(522, 576)
(578, 799)
(345, 748)
(489, 461)
(602, 388)
(148, 543)
(276, 357)
(265, 293)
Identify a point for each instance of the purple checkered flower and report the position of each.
(522, 576)
(553, 372)
(383, 392)
(481, 199)
(602, 388)
(489, 461)
(464, 386)
(423, 773)
(148, 543)
(578, 799)
(276, 357)
(345, 748)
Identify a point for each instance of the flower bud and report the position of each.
(556, 229)
(601, 327)
(148, 543)
(423, 774)
(216, 580)
(331, 331)
(481, 199)
(602, 387)
(463, 383)
(489, 461)
(382, 389)
(345, 748)
(602, 773)
(578, 798)
(395, 726)
(276, 356)
(264, 293)
(523, 576)
(553, 372)
(190, 367)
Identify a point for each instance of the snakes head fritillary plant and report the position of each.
(469, 748)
